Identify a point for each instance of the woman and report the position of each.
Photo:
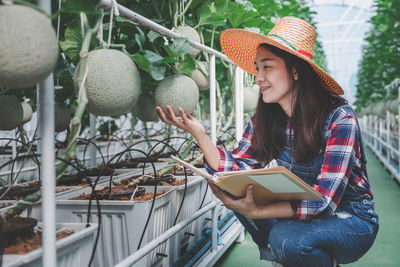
(302, 123)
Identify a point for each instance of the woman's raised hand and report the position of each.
(187, 123)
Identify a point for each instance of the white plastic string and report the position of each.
(58, 34)
(114, 9)
(134, 192)
(100, 31)
(58, 21)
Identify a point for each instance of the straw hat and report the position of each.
(291, 34)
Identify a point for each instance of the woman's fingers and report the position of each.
(183, 115)
(249, 194)
(163, 116)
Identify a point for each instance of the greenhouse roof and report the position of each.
(341, 26)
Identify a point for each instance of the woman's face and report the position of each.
(274, 79)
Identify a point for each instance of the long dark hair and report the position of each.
(312, 103)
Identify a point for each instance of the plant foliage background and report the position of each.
(380, 65)
(157, 56)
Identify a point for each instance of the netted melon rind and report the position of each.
(28, 44)
(177, 91)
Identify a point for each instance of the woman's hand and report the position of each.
(245, 206)
(187, 123)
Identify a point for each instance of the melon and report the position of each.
(10, 112)
(62, 117)
(145, 110)
(177, 91)
(191, 34)
(28, 44)
(26, 112)
(112, 84)
(250, 100)
(201, 76)
(393, 106)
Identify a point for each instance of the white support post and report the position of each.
(388, 141)
(398, 123)
(92, 148)
(239, 103)
(213, 101)
(214, 234)
(46, 125)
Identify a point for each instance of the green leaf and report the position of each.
(152, 35)
(211, 15)
(187, 65)
(180, 46)
(71, 45)
(140, 38)
(126, 22)
(151, 63)
(77, 6)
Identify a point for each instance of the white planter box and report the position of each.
(122, 224)
(189, 235)
(73, 250)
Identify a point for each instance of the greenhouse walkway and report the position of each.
(384, 252)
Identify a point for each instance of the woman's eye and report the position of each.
(266, 67)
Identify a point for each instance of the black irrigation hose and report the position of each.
(88, 216)
(204, 197)
(90, 142)
(119, 155)
(13, 162)
(186, 179)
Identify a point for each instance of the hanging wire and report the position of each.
(114, 9)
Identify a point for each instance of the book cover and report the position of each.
(269, 184)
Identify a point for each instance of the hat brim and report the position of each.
(241, 45)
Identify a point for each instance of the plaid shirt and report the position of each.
(342, 142)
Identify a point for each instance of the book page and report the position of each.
(277, 183)
(272, 164)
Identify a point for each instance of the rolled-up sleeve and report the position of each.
(241, 158)
(341, 148)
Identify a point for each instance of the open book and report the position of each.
(270, 184)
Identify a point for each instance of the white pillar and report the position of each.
(46, 126)
(213, 102)
(239, 103)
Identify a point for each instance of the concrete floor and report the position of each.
(384, 252)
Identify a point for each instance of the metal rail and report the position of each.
(378, 136)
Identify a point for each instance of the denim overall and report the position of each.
(343, 236)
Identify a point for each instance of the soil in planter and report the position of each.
(81, 178)
(178, 170)
(120, 192)
(19, 191)
(26, 244)
(165, 180)
(15, 227)
(132, 163)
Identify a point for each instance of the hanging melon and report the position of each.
(177, 91)
(62, 117)
(145, 110)
(27, 112)
(10, 112)
(250, 100)
(201, 76)
(112, 84)
(28, 45)
(191, 34)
